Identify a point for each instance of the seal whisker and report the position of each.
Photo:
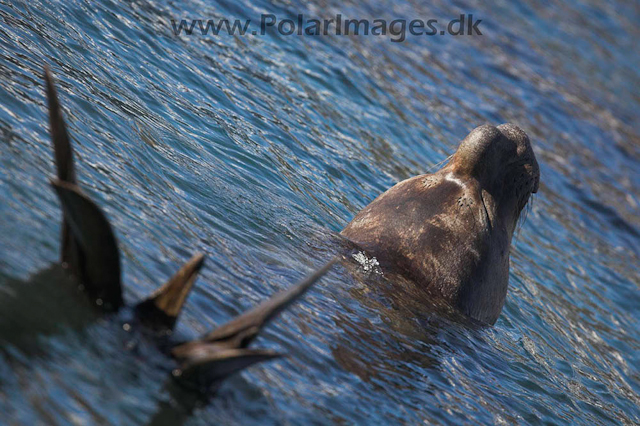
(440, 163)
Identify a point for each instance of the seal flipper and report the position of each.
(98, 254)
(162, 308)
(223, 351)
(251, 322)
(205, 369)
(63, 156)
(59, 136)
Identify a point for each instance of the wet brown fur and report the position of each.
(450, 232)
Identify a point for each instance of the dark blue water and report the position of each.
(257, 149)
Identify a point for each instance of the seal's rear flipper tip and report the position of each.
(63, 158)
(48, 77)
(63, 153)
(98, 262)
(244, 328)
(207, 365)
(162, 308)
(207, 361)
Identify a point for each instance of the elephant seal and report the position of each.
(450, 232)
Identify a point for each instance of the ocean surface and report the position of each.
(258, 149)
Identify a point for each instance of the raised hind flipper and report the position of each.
(63, 156)
(88, 245)
(251, 322)
(98, 255)
(223, 351)
(162, 308)
(59, 136)
(206, 368)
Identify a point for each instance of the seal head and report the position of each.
(503, 163)
(450, 232)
